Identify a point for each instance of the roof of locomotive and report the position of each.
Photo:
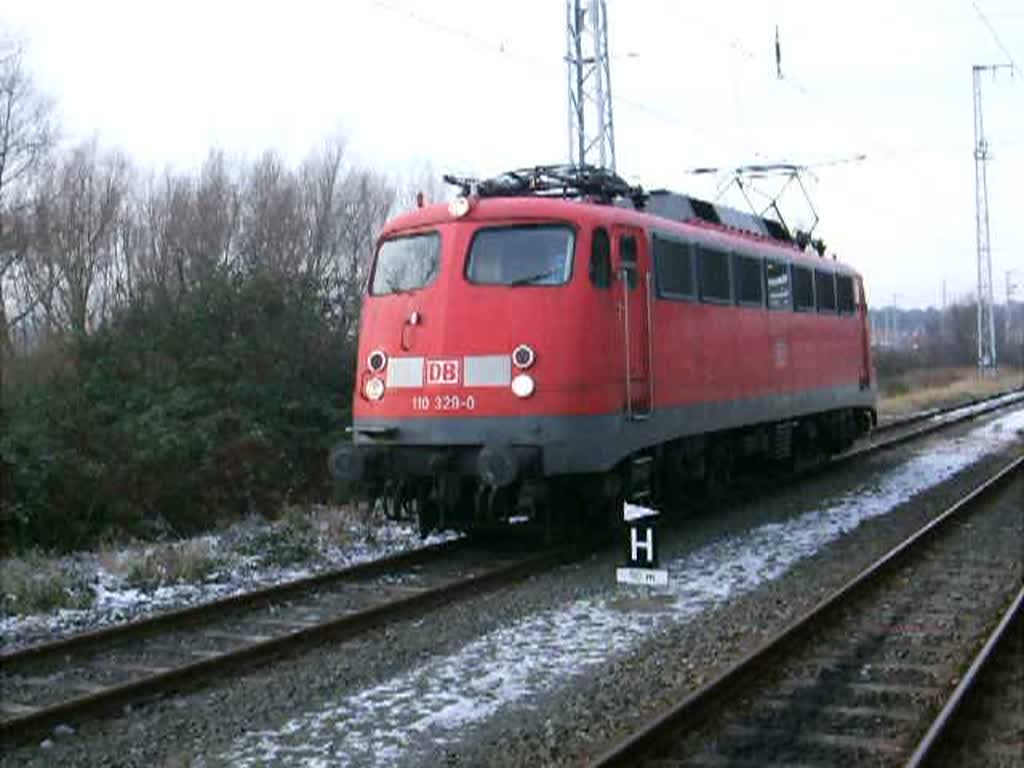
(527, 208)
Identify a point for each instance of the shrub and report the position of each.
(178, 414)
(292, 539)
(35, 584)
(182, 562)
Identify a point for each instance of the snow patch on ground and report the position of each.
(237, 570)
(401, 719)
(1004, 400)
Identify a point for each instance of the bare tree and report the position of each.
(368, 198)
(27, 134)
(273, 230)
(320, 177)
(77, 216)
(215, 217)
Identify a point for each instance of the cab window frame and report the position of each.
(738, 260)
(569, 226)
(725, 255)
(842, 307)
(600, 264)
(659, 256)
(795, 271)
(823, 278)
(434, 234)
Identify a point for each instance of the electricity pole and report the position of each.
(1013, 339)
(591, 131)
(986, 318)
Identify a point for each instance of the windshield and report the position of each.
(525, 255)
(406, 263)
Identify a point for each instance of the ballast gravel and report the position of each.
(549, 671)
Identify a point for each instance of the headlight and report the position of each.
(374, 388)
(376, 361)
(522, 385)
(459, 207)
(523, 356)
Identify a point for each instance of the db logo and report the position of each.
(442, 371)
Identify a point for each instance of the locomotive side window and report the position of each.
(777, 279)
(803, 289)
(406, 264)
(713, 267)
(673, 264)
(844, 294)
(825, 288)
(749, 281)
(627, 255)
(600, 259)
(523, 255)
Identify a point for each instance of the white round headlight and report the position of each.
(523, 356)
(459, 206)
(376, 361)
(522, 385)
(374, 388)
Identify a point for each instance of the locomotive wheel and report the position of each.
(428, 513)
(808, 449)
(719, 473)
(560, 507)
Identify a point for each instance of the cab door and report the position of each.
(632, 262)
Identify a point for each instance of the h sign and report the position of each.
(641, 546)
(642, 568)
(442, 371)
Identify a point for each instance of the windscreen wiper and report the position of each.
(539, 276)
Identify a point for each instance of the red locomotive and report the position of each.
(555, 340)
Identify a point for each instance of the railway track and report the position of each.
(88, 674)
(934, 413)
(982, 722)
(91, 673)
(857, 679)
(933, 420)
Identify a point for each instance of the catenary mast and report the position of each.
(986, 316)
(591, 131)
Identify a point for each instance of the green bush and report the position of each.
(180, 413)
(35, 584)
(175, 563)
(291, 540)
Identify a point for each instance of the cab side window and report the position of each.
(628, 254)
(825, 290)
(600, 259)
(845, 295)
(714, 275)
(803, 289)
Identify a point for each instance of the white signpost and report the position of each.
(642, 568)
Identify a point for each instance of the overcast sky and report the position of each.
(480, 87)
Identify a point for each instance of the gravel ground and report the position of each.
(546, 672)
